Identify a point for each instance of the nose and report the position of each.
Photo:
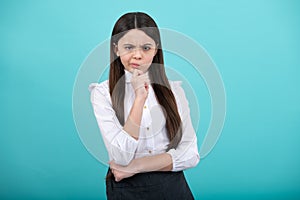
(137, 54)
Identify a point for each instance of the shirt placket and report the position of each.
(147, 126)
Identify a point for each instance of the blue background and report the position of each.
(255, 45)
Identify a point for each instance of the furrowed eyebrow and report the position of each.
(141, 45)
(147, 44)
(128, 44)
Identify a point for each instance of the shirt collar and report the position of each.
(128, 76)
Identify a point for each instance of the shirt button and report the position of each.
(147, 128)
(150, 151)
(145, 107)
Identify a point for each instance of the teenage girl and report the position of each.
(143, 117)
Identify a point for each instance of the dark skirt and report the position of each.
(150, 185)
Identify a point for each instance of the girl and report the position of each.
(143, 117)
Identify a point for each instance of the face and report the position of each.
(136, 50)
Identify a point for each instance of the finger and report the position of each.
(139, 81)
(134, 72)
(137, 72)
(146, 87)
(140, 85)
(112, 166)
(142, 78)
(142, 75)
(136, 77)
(140, 72)
(115, 166)
(147, 80)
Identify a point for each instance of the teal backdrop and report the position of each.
(255, 45)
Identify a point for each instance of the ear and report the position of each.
(115, 46)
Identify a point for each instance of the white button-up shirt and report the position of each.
(153, 139)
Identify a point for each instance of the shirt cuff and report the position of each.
(181, 162)
(171, 152)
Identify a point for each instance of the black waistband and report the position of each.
(146, 179)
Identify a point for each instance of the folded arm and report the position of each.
(183, 157)
(121, 142)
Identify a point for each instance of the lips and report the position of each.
(134, 65)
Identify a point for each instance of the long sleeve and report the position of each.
(186, 154)
(120, 145)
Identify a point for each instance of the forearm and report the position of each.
(133, 122)
(160, 162)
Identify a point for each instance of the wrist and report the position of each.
(139, 102)
(136, 166)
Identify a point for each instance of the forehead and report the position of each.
(136, 36)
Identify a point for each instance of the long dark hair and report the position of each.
(157, 74)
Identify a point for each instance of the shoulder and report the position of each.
(101, 88)
(176, 88)
(175, 84)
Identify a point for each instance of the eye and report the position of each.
(128, 48)
(146, 48)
